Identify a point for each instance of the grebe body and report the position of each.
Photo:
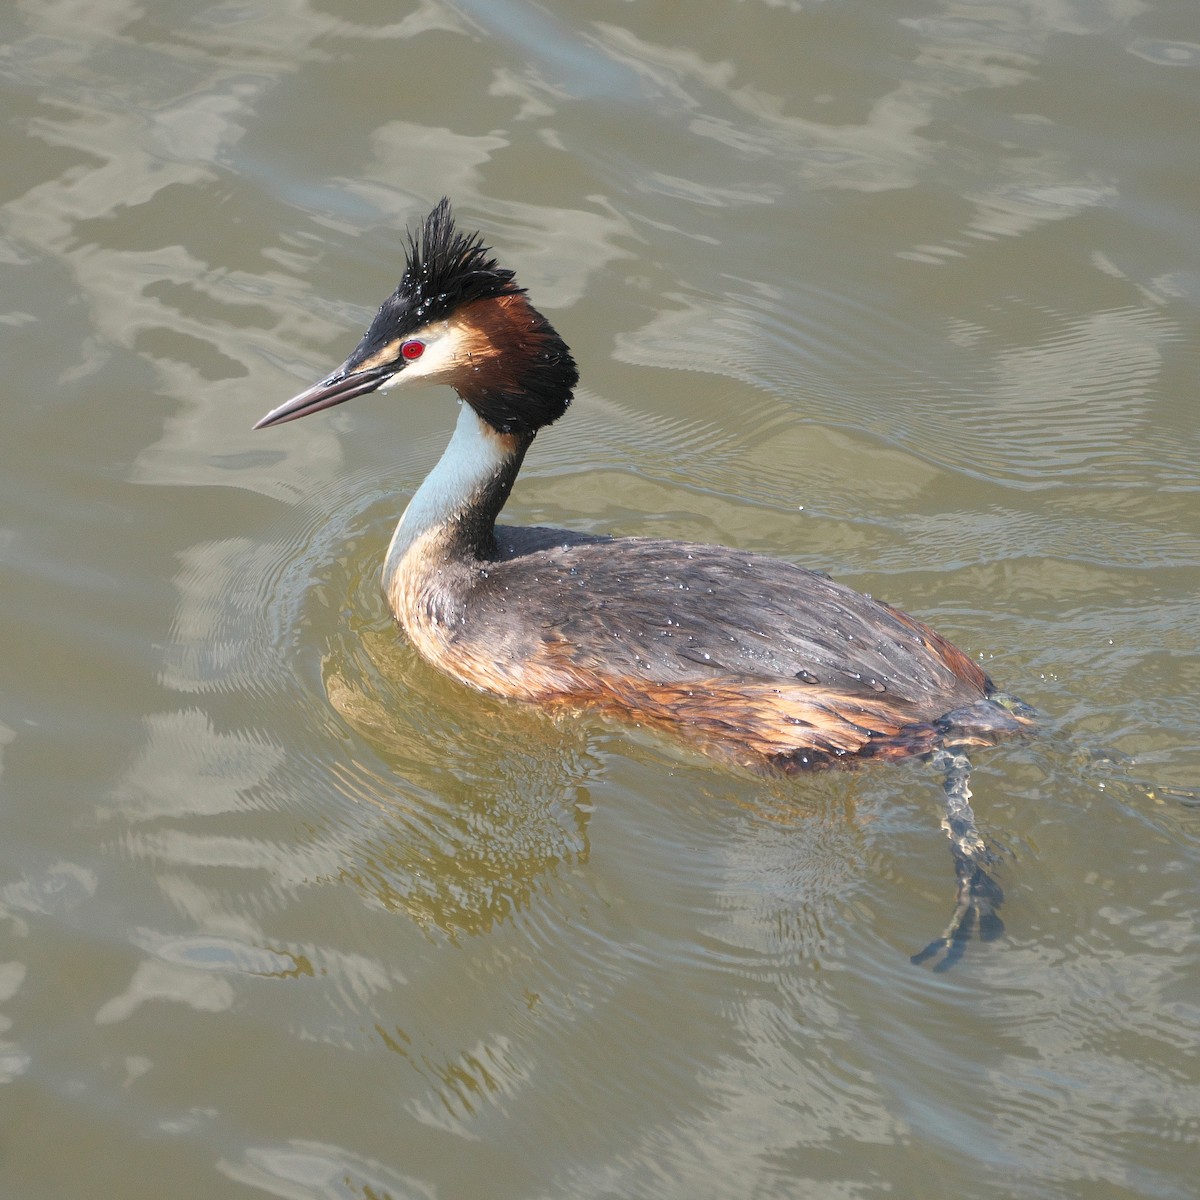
(693, 637)
(760, 661)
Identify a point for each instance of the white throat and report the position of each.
(472, 460)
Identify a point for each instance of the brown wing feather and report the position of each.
(668, 612)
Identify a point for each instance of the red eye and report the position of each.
(413, 349)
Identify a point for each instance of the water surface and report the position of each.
(903, 291)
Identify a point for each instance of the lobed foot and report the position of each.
(978, 896)
(975, 908)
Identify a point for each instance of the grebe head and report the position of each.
(455, 318)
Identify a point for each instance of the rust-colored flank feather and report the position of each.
(757, 661)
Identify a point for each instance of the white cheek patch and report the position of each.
(442, 357)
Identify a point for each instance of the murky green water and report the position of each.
(907, 291)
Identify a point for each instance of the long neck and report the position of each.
(457, 504)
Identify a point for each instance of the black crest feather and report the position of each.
(446, 269)
(529, 383)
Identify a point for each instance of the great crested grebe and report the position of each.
(759, 661)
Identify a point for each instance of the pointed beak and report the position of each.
(341, 386)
